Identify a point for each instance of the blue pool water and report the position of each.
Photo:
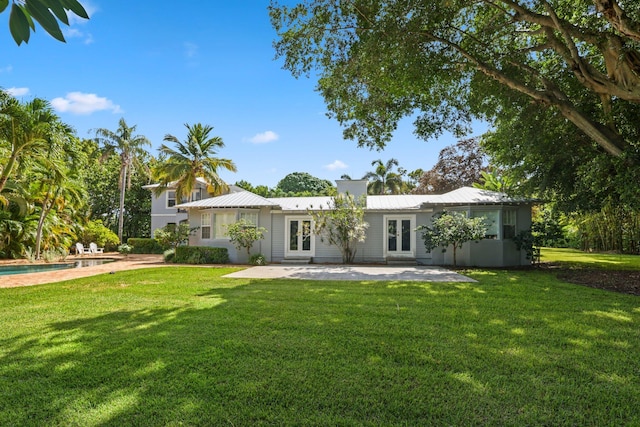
(6, 270)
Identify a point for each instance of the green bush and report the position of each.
(96, 232)
(169, 255)
(201, 255)
(144, 246)
(257, 259)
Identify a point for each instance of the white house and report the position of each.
(391, 236)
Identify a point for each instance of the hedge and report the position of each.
(201, 255)
(144, 246)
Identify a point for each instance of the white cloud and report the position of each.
(84, 103)
(7, 69)
(264, 137)
(17, 91)
(337, 164)
(74, 33)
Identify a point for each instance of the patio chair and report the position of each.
(94, 249)
(81, 250)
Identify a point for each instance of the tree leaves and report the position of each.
(46, 12)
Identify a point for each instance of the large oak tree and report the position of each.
(445, 62)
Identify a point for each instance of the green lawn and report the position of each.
(183, 346)
(574, 258)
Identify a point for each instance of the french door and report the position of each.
(399, 237)
(299, 239)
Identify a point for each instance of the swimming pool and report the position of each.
(6, 270)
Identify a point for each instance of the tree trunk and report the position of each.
(123, 186)
(454, 255)
(43, 215)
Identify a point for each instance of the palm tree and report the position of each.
(26, 129)
(55, 188)
(130, 148)
(193, 158)
(383, 180)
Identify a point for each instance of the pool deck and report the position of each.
(128, 262)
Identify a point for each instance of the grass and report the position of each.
(185, 346)
(575, 258)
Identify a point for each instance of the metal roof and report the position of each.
(238, 199)
(462, 196)
(302, 203)
(476, 196)
(398, 202)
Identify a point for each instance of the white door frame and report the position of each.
(411, 253)
(287, 237)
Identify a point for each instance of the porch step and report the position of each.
(401, 261)
(296, 261)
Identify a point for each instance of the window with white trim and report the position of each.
(490, 220)
(171, 198)
(205, 226)
(509, 223)
(221, 220)
(250, 217)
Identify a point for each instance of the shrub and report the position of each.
(169, 255)
(243, 234)
(125, 249)
(201, 255)
(171, 235)
(95, 231)
(257, 259)
(144, 246)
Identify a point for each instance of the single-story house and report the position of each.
(391, 235)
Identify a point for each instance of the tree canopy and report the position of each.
(458, 165)
(447, 62)
(304, 183)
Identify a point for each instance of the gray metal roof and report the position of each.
(462, 196)
(398, 202)
(476, 196)
(302, 203)
(238, 199)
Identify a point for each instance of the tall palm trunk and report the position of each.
(46, 207)
(123, 186)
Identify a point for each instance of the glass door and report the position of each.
(399, 236)
(299, 238)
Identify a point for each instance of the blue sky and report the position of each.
(212, 62)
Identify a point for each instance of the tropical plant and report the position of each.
(192, 159)
(342, 224)
(46, 12)
(130, 149)
(171, 236)
(243, 234)
(26, 129)
(495, 181)
(383, 180)
(95, 231)
(451, 229)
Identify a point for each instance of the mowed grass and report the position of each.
(579, 259)
(185, 346)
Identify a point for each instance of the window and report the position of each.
(508, 223)
(490, 220)
(205, 226)
(171, 198)
(220, 224)
(250, 217)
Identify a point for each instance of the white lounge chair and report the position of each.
(94, 249)
(81, 250)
